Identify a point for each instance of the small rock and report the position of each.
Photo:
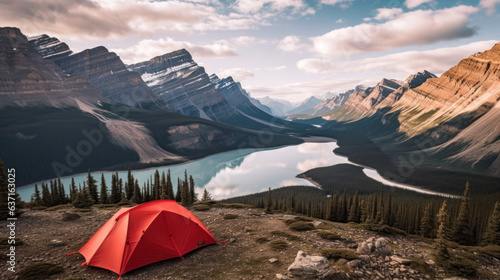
(364, 258)
(289, 217)
(354, 263)
(282, 277)
(401, 260)
(317, 223)
(430, 262)
(56, 243)
(273, 260)
(232, 240)
(70, 216)
(377, 247)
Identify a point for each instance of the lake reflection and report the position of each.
(237, 172)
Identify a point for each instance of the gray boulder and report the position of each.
(70, 216)
(377, 247)
(310, 267)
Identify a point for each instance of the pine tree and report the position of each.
(442, 249)
(163, 194)
(185, 196)
(37, 199)
(104, 190)
(179, 190)
(61, 192)
(54, 193)
(462, 233)
(492, 234)
(83, 199)
(388, 214)
(156, 185)
(269, 201)
(130, 184)
(92, 186)
(427, 224)
(332, 207)
(192, 193)
(354, 211)
(373, 214)
(115, 192)
(170, 186)
(46, 196)
(72, 189)
(137, 196)
(381, 219)
(206, 196)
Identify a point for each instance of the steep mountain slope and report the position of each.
(186, 87)
(54, 123)
(306, 105)
(238, 97)
(330, 104)
(103, 69)
(27, 79)
(278, 107)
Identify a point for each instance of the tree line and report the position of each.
(467, 222)
(120, 191)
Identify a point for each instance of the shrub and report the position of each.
(230, 216)
(334, 253)
(492, 250)
(39, 270)
(384, 229)
(457, 265)
(201, 207)
(105, 206)
(301, 226)
(329, 235)
(278, 245)
(261, 240)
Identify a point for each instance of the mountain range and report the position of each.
(63, 112)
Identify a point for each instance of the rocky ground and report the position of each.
(252, 252)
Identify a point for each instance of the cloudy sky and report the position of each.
(288, 49)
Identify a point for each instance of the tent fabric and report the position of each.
(144, 234)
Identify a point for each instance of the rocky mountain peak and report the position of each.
(418, 79)
(49, 46)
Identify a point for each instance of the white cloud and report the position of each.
(419, 27)
(148, 48)
(290, 43)
(254, 6)
(386, 13)
(314, 65)
(238, 74)
(343, 3)
(91, 19)
(436, 61)
(271, 69)
(489, 5)
(340, 20)
(411, 4)
(244, 40)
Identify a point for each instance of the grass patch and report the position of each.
(39, 270)
(257, 261)
(288, 236)
(230, 217)
(301, 226)
(384, 229)
(492, 250)
(59, 207)
(455, 265)
(81, 210)
(334, 253)
(261, 240)
(38, 208)
(201, 207)
(278, 245)
(329, 235)
(325, 227)
(420, 265)
(235, 205)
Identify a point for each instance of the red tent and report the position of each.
(144, 234)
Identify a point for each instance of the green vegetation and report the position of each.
(39, 270)
(334, 253)
(301, 226)
(288, 236)
(261, 240)
(201, 207)
(278, 245)
(329, 235)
